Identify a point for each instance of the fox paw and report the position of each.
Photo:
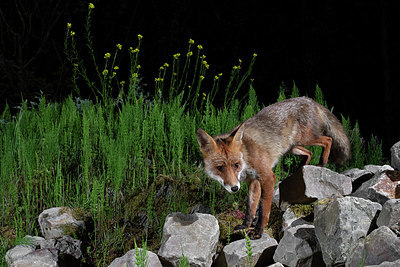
(255, 233)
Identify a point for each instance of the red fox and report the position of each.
(252, 149)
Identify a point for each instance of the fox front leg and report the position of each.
(267, 190)
(252, 202)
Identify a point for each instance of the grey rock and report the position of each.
(340, 224)
(377, 168)
(29, 244)
(36, 258)
(277, 264)
(65, 245)
(195, 235)
(235, 253)
(289, 219)
(395, 156)
(379, 246)
(311, 182)
(299, 247)
(358, 177)
(387, 264)
(129, 259)
(275, 197)
(55, 222)
(390, 214)
(17, 252)
(380, 188)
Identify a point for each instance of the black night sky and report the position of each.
(351, 49)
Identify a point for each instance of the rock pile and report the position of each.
(57, 247)
(351, 219)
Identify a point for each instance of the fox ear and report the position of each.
(206, 142)
(237, 135)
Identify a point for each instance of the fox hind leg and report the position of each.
(301, 151)
(324, 141)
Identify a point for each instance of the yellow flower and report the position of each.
(107, 55)
(220, 74)
(105, 72)
(254, 55)
(136, 50)
(191, 41)
(161, 68)
(240, 61)
(138, 66)
(122, 83)
(119, 46)
(75, 65)
(131, 49)
(116, 68)
(72, 33)
(203, 57)
(69, 25)
(216, 77)
(166, 65)
(176, 56)
(206, 64)
(201, 77)
(140, 37)
(114, 73)
(199, 47)
(190, 53)
(134, 75)
(91, 6)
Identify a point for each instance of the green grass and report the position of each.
(128, 155)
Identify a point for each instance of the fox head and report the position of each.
(223, 158)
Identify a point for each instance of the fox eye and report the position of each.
(236, 165)
(220, 168)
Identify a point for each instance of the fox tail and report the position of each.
(340, 150)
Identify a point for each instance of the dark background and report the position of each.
(351, 49)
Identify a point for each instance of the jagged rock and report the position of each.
(379, 246)
(195, 235)
(378, 168)
(290, 219)
(340, 224)
(16, 257)
(276, 195)
(358, 177)
(277, 264)
(380, 188)
(395, 156)
(30, 244)
(310, 183)
(299, 247)
(130, 258)
(65, 245)
(235, 253)
(60, 221)
(387, 264)
(390, 214)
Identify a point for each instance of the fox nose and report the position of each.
(234, 188)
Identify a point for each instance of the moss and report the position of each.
(81, 214)
(302, 210)
(274, 226)
(64, 210)
(227, 222)
(71, 230)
